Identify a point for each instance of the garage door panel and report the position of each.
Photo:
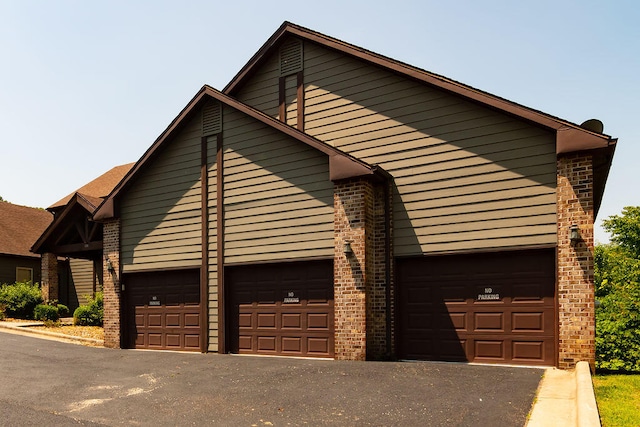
(245, 320)
(453, 294)
(317, 321)
(451, 349)
(267, 344)
(291, 321)
(267, 320)
(284, 309)
(523, 322)
(245, 343)
(292, 345)
(319, 346)
(162, 309)
(192, 320)
(486, 349)
(528, 350)
(457, 320)
(489, 322)
(501, 309)
(154, 340)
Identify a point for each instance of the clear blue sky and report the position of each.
(87, 85)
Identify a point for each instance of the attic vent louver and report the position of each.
(290, 57)
(211, 118)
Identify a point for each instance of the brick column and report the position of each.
(353, 223)
(377, 296)
(111, 283)
(49, 285)
(576, 297)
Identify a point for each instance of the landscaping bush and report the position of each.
(63, 310)
(46, 312)
(91, 313)
(20, 299)
(2, 315)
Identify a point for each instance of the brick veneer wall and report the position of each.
(576, 299)
(353, 214)
(49, 285)
(111, 285)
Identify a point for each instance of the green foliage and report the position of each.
(63, 310)
(625, 230)
(2, 311)
(46, 312)
(617, 281)
(20, 299)
(91, 313)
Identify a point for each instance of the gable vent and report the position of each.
(291, 57)
(211, 118)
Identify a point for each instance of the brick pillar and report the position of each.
(353, 221)
(576, 292)
(49, 285)
(379, 339)
(111, 283)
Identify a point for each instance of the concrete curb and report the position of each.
(565, 398)
(586, 406)
(24, 328)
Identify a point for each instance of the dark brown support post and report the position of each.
(222, 341)
(282, 100)
(300, 95)
(204, 269)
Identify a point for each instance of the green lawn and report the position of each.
(618, 399)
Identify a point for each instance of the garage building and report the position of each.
(332, 202)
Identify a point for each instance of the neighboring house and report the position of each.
(20, 226)
(75, 238)
(333, 202)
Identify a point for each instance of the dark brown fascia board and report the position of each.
(77, 199)
(570, 136)
(341, 165)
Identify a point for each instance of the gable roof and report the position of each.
(341, 164)
(20, 226)
(96, 190)
(570, 136)
(55, 226)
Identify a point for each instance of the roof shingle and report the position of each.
(20, 227)
(97, 189)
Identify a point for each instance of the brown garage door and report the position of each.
(162, 310)
(489, 308)
(282, 309)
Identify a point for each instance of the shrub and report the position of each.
(63, 310)
(46, 312)
(2, 315)
(91, 313)
(20, 299)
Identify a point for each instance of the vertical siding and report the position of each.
(467, 177)
(278, 196)
(160, 213)
(212, 200)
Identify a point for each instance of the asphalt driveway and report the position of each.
(52, 383)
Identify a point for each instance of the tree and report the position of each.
(625, 230)
(617, 281)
